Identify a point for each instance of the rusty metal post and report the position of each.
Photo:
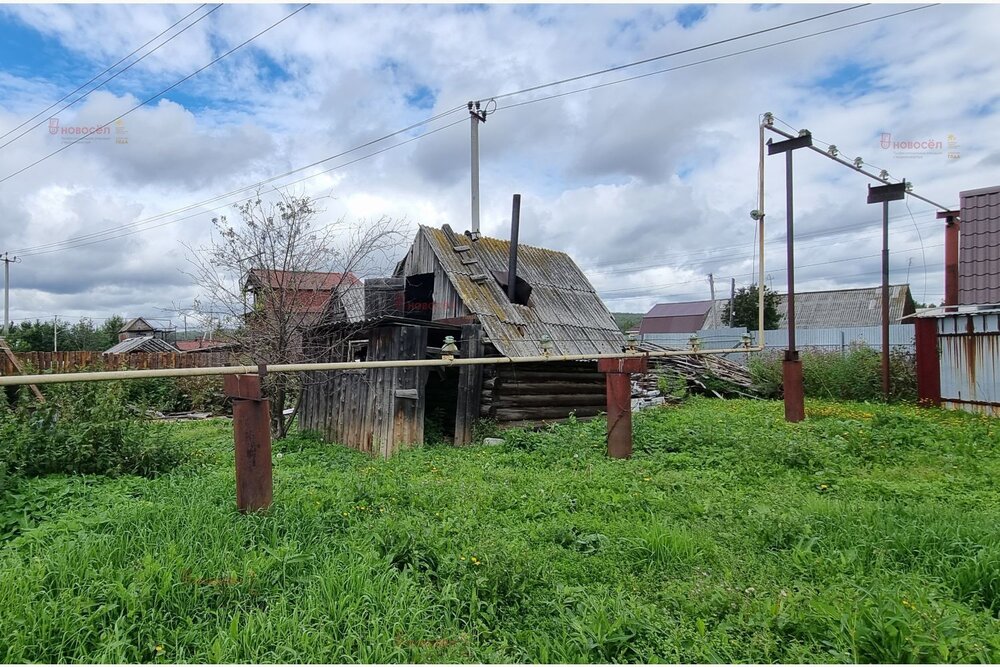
(791, 368)
(619, 393)
(952, 229)
(886, 386)
(252, 437)
(928, 361)
(883, 194)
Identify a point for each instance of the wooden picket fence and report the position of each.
(67, 362)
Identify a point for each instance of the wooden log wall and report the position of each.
(376, 410)
(528, 394)
(67, 362)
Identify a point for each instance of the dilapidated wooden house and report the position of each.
(450, 285)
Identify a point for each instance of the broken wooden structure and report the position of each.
(450, 285)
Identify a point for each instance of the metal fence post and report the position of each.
(252, 437)
(619, 394)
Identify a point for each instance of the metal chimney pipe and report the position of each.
(951, 232)
(515, 223)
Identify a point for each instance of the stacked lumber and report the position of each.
(708, 375)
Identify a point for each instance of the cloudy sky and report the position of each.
(648, 183)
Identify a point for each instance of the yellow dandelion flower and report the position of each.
(159, 648)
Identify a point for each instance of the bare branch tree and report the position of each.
(274, 274)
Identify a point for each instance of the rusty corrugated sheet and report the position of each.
(970, 356)
(979, 258)
(563, 304)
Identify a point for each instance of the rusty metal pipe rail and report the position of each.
(103, 376)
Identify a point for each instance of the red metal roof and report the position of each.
(302, 280)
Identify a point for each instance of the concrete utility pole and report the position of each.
(476, 116)
(883, 194)
(711, 291)
(55, 333)
(7, 261)
(795, 409)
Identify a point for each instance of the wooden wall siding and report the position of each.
(65, 362)
(378, 410)
(470, 380)
(421, 259)
(525, 394)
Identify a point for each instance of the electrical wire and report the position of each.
(109, 79)
(672, 54)
(156, 96)
(68, 243)
(113, 233)
(798, 266)
(199, 213)
(716, 58)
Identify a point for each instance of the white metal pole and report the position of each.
(6, 296)
(474, 121)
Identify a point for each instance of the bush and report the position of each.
(854, 376)
(181, 394)
(82, 428)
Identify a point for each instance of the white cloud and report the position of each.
(656, 175)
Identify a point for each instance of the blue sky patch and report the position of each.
(688, 15)
(851, 79)
(421, 97)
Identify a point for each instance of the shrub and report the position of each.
(82, 428)
(854, 376)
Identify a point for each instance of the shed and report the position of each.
(448, 284)
(141, 344)
(958, 345)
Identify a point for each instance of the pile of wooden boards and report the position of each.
(709, 375)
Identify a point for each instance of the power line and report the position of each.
(117, 232)
(709, 60)
(740, 275)
(673, 53)
(198, 213)
(659, 259)
(109, 79)
(111, 234)
(157, 95)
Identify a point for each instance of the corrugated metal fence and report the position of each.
(69, 361)
(837, 339)
(970, 353)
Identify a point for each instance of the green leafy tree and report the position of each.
(743, 312)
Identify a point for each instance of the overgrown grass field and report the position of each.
(866, 533)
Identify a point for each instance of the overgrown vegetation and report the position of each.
(866, 533)
(852, 376)
(82, 428)
(39, 336)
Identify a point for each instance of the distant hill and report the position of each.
(628, 321)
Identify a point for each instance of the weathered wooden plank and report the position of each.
(512, 400)
(537, 413)
(548, 388)
(470, 379)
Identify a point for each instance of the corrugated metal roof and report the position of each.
(860, 307)
(563, 303)
(141, 344)
(979, 257)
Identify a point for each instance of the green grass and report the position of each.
(866, 533)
